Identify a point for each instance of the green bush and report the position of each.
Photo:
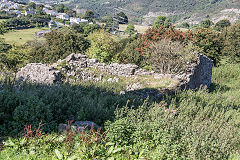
(206, 23)
(222, 24)
(85, 29)
(161, 21)
(185, 25)
(130, 54)
(210, 43)
(57, 104)
(58, 45)
(104, 46)
(231, 42)
(130, 29)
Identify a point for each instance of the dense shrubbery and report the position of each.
(222, 24)
(108, 48)
(192, 128)
(104, 46)
(188, 125)
(58, 45)
(57, 104)
(130, 54)
(231, 42)
(85, 29)
(6, 15)
(210, 43)
(26, 22)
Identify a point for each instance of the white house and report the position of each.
(53, 24)
(77, 20)
(63, 16)
(48, 6)
(29, 13)
(51, 12)
(5, 5)
(14, 6)
(6, 10)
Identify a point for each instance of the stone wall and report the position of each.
(78, 65)
(81, 61)
(200, 76)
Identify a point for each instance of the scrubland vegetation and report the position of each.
(188, 125)
(201, 124)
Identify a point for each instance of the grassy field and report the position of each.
(142, 29)
(139, 28)
(19, 37)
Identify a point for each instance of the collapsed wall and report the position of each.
(199, 74)
(80, 61)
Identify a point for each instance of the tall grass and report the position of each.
(189, 125)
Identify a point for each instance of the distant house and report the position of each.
(6, 10)
(48, 6)
(51, 12)
(14, 6)
(5, 5)
(53, 24)
(29, 13)
(77, 20)
(63, 16)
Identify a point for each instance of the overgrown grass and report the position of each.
(59, 103)
(189, 125)
(20, 37)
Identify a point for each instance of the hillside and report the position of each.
(177, 10)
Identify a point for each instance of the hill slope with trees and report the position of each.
(176, 9)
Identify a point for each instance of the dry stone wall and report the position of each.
(81, 61)
(79, 65)
(198, 75)
(201, 75)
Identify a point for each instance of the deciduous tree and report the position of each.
(161, 21)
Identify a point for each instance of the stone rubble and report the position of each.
(39, 73)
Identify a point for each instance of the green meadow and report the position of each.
(20, 37)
